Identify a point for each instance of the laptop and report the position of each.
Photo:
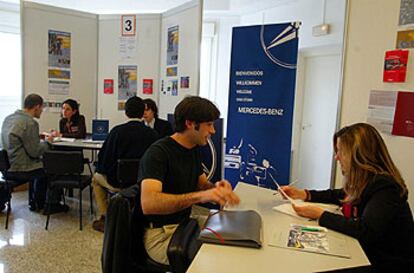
(100, 128)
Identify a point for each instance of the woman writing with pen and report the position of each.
(374, 200)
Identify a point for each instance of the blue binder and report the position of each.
(100, 128)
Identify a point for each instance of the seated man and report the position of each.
(20, 138)
(152, 120)
(128, 140)
(172, 179)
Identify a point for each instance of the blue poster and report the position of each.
(261, 100)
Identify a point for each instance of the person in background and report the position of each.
(172, 179)
(72, 123)
(125, 141)
(162, 127)
(374, 199)
(20, 138)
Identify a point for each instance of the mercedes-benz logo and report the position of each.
(271, 46)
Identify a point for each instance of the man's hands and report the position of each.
(221, 194)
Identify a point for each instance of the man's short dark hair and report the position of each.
(134, 107)
(32, 100)
(194, 109)
(151, 105)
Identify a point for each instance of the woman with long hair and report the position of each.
(373, 197)
(72, 123)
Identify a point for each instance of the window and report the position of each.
(207, 61)
(10, 56)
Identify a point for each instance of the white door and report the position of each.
(320, 104)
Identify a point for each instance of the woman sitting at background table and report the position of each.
(375, 195)
(72, 124)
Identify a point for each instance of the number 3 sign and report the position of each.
(128, 25)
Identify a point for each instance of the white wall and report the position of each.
(37, 20)
(368, 39)
(188, 18)
(146, 59)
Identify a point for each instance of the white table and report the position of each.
(79, 143)
(216, 258)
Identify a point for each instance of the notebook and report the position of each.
(238, 228)
(100, 128)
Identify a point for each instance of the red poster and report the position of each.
(395, 65)
(147, 86)
(108, 86)
(404, 115)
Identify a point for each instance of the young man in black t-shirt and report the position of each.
(172, 178)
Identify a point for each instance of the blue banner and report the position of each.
(261, 99)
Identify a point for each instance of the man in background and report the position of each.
(126, 141)
(21, 140)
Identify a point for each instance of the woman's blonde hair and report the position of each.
(368, 157)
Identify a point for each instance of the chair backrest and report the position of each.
(4, 161)
(127, 172)
(63, 162)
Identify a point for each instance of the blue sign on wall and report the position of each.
(261, 99)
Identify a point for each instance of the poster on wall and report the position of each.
(121, 105)
(381, 109)
(171, 71)
(56, 87)
(127, 47)
(404, 115)
(171, 88)
(261, 101)
(172, 45)
(406, 12)
(185, 82)
(108, 86)
(127, 81)
(59, 49)
(59, 74)
(147, 86)
(52, 106)
(405, 39)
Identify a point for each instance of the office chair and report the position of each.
(123, 246)
(127, 172)
(64, 171)
(8, 185)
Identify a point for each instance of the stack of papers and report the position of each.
(64, 139)
(92, 141)
(288, 209)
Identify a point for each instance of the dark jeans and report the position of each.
(37, 187)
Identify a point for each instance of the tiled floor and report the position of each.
(27, 247)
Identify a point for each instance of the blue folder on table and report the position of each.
(100, 128)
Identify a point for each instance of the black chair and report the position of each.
(127, 172)
(64, 171)
(123, 246)
(8, 185)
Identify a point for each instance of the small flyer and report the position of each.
(185, 82)
(108, 86)
(171, 71)
(314, 239)
(147, 86)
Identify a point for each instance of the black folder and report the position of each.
(238, 228)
